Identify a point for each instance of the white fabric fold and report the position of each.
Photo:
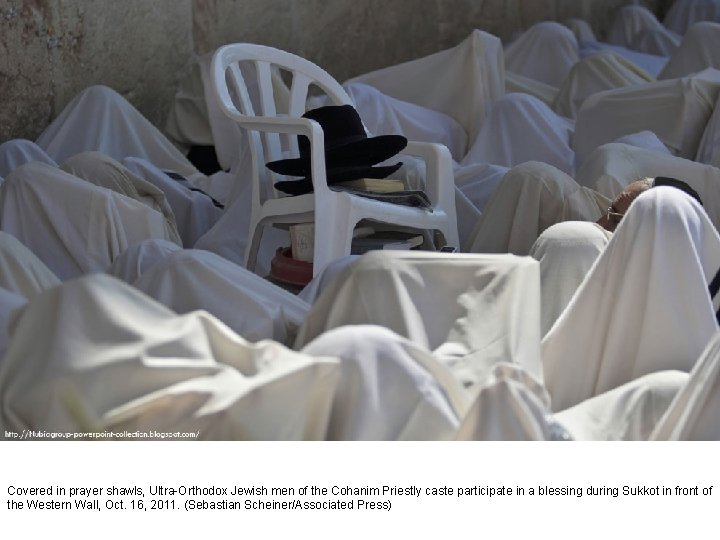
(131, 263)
(21, 272)
(699, 49)
(472, 311)
(17, 152)
(683, 14)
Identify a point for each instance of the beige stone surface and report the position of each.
(51, 49)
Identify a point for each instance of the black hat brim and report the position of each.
(339, 174)
(362, 153)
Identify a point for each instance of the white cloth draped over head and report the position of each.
(566, 252)
(21, 272)
(472, 311)
(16, 152)
(104, 171)
(644, 139)
(529, 199)
(644, 306)
(195, 213)
(510, 406)
(581, 28)
(629, 412)
(597, 72)
(636, 27)
(385, 115)
(676, 110)
(478, 182)
(35, 203)
(522, 128)
(683, 14)
(693, 414)
(131, 263)
(389, 388)
(516, 83)
(700, 49)
(111, 358)
(99, 118)
(461, 82)
(545, 52)
(10, 302)
(188, 280)
(613, 166)
(651, 63)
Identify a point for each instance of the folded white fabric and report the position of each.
(613, 166)
(529, 199)
(10, 302)
(389, 389)
(601, 71)
(566, 252)
(104, 171)
(113, 359)
(581, 28)
(191, 279)
(34, 200)
(472, 311)
(545, 52)
(627, 413)
(693, 414)
(21, 272)
(461, 82)
(676, 110)
(16, 152)
(709, 149)
(699, 49)
(651, 63)
(516, 83)
(522, 128)
(99, 118)
(683, 14)
(644, 306)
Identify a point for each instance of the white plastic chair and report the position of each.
(341, 211)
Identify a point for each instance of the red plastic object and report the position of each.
(288, 270)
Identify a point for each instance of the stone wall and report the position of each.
(51, 49)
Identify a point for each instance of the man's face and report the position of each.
(621, 204)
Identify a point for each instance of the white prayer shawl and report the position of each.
(99, 118)
(531, 197)
(644, 139)
(472, 311)
(510, 406)
(700, 49)
(131, 263)
(582, 30)
(21, 272)
(566, 252)
(693, 414)
(627, 413)
(657, 41)
(545, 52)
(516, 83)
(676, 110)
(522, 128)
(385, 115)
(16, 152)
(112, 359)
(643, 307)
(631, 22)
(389, 389)
(598, 72)
(72, 226)
(461, 82)
(104, 171)
(195, 213)
(709, 149)
(613, 166)
(651, 63)
(683, 14)
(188, 280)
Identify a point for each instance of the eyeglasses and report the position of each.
(613, 216)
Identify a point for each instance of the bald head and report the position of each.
(622, 203)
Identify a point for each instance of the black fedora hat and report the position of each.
(349, 152)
